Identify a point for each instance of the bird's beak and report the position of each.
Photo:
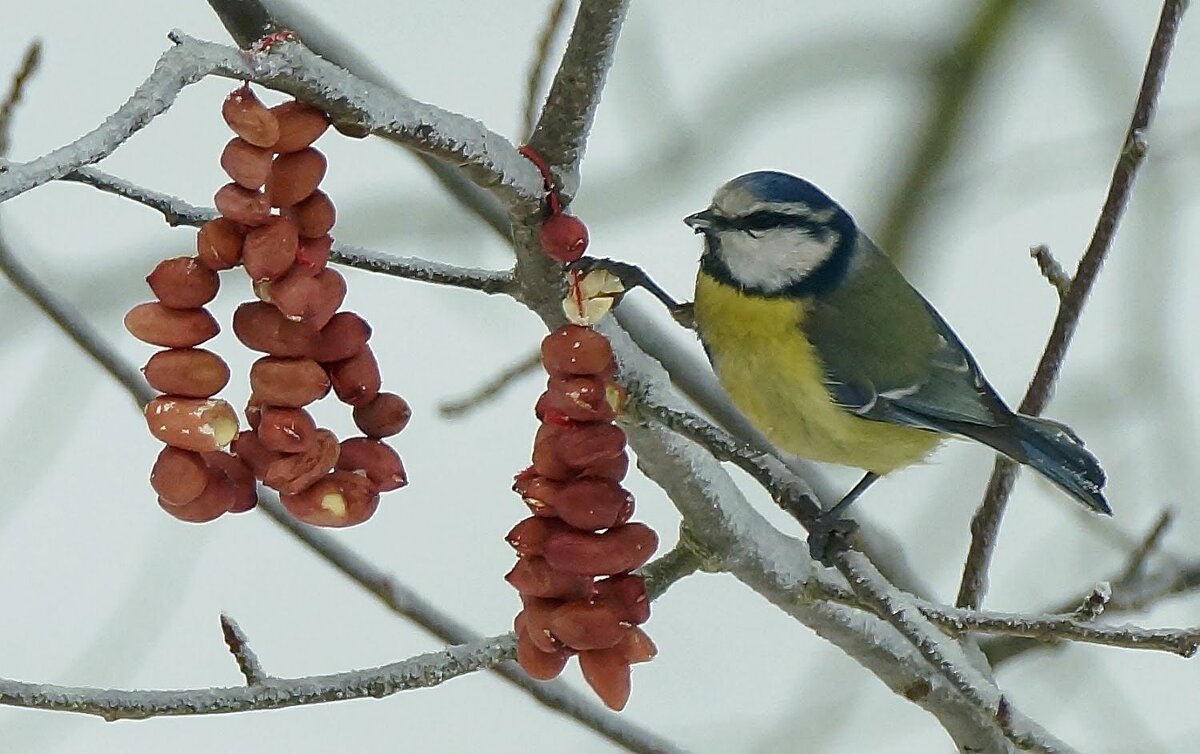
(701, 221)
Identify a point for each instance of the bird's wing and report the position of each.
(904, 366)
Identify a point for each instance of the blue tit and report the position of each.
(827, 349)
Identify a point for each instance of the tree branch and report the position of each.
(985, 526)
(484, 393)
(246, 28)
(537, 69)
(956, 75)
(904, 651)
(422, 671)
(25, 71)
(1052, 628)
(566, 120)
(74, 325)
(484, 156)
(178, 212)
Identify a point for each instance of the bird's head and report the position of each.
(773, 234)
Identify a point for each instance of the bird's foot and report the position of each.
(828, 535)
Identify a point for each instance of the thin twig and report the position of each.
(480, 395)
(28, 66)
(422, 671)
(75, 325)
(424, 270)
(1183, 642)
(243, 655)
(1125, 592)
(985, 525)
(1149, 545)
(174, 210)
(1046, 629)
(566, 120)
(177, 212)
(537, 70)
(956, 75)
(1050, 268)
(900, 611)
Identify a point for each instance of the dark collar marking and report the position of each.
(827, 276)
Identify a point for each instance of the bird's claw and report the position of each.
(827, 535)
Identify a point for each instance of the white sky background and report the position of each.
(99, 587)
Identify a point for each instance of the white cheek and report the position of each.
(773, 259)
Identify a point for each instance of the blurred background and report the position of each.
(958, 134)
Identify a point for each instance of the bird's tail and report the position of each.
(1057, 454)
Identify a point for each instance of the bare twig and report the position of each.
(985, 525)
(537, 69)
(74, 325)
(174, 210)
(566, 120)
(1149, 545)
(493, 387)
(1183, 642)
(1050, 268)
(178, 212)
(422, 671)
(1131, 588)
(28, 67)
(239, 647)
(956, 75)
(423, 270)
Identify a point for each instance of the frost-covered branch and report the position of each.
(422, 671)
(486, 157)
(178, 212)
(245, 20)
(1181, 641)
(243, 655)
(985, 525)
(736, 539)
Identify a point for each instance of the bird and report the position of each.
(823, 345)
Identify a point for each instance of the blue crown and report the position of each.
(773, 186)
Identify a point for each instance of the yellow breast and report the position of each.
(771, 373)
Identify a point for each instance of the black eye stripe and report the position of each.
(766, 220)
